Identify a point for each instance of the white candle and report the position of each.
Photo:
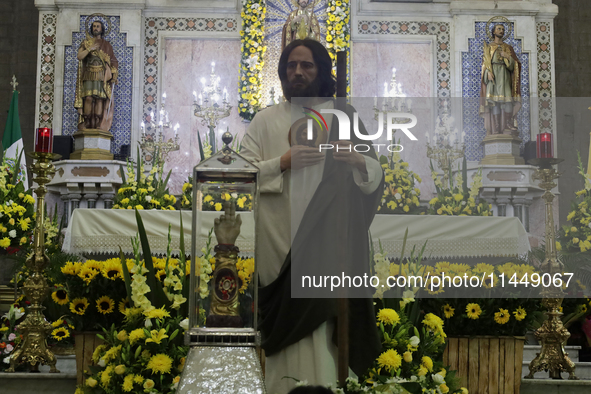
(212, 67)
(200, 99)
(375, 101)
(163, 97)
(203, 81)
(427, 136)
(194, 95)
(143, 125)
(225, 95)
(176, 129)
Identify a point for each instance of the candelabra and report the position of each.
(158, 144)
(395, 100)
(33, 349)
(208, 108)
(552, 334)
(448, 143)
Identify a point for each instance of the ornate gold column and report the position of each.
(33, 349)
(552, 334)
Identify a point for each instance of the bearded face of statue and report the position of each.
(97, 29)
(303, 3)
(499, 31)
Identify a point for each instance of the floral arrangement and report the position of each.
(17, 208)
(253, 51)
(412, 356)
(576, 237)
(400, 194)
(9, 339)
(144, 192)
(338, 31)
(458, 199)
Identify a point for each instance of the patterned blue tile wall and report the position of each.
(121, 128)
(471, 65)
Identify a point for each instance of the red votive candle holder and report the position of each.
(44, 140)
(544, 146)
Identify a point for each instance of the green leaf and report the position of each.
(174, 334)
(138, 351)
(139, 166)
(156, 295)
(465, 175)
(412, 387)
(123, 179)
(200, 146)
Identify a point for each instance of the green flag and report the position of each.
(12, 140)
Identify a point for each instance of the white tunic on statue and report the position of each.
(314, 358)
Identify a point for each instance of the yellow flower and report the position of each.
(122, 335)
(502, 316)
(160, 363)
(157, 336)
(87, 274)
(422, 371)
(60, 333)
(218, 206)
(390, 360)
(96, 355)
(23, 240)
(388, 316)
(5, 242)
(139, 207)
(90, 382)
(60, 297)
(473, 310)
(127, 383)
(139, 379)
(407, 356)
(24, 223)
(148, 384)
(519, 314)
(159, 314)
(106, 376)
(558, 246)
(105, 305)
(136, 335)
(120, 369)
(444, 389)
(78, 306)
(448, 311)
(112, 269)
(427, 363)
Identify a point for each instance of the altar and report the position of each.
(97, 231)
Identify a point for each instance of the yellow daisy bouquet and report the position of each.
(215, 201)
(457, 199)
(338, 30)
(17, 209)
(141, 191)
(252, 61)
(400, 194)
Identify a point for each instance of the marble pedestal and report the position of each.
(501, 149)
(92, 144)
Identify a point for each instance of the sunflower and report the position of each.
(60, 297)
(519, 314)
(123, 305)
(160, 363)
(502, 316)
(105, 305)
(60, 333)
(79, 305)
(473, 310)
(161, 275)
(87, 274)
(112, 269)
(448, 311)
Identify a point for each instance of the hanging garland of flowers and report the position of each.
(338, 31)
(253, 51)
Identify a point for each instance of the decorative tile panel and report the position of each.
(47, 70)
(471, 67)
(437, 29)
(545, 102)
(121, 128)
(154, 26)
(277, 13)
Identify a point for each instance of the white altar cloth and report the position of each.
(100, 231)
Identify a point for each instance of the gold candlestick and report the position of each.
(552, 334)
(33, 349)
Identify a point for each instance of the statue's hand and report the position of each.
(505, 55)
(227, 226)
(95, 47)
(491, 77)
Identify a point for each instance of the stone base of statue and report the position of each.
(502, 149)
(92, 144)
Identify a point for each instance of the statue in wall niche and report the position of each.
(96, 79)
(500, 93)
(301, 23)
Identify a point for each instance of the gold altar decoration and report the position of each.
(552, 334)
(35, 328)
